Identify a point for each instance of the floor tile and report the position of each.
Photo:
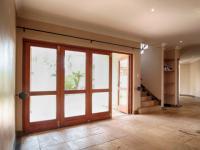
(169, 129)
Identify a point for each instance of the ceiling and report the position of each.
(168, 21)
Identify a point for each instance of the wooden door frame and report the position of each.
(59, 121)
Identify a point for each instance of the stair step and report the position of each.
(148, 103)
(145, 98)
(146, 110)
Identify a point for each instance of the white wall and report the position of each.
(7, 74)
(185, 79)
(195, 79)
(190, 79)
(152, 70)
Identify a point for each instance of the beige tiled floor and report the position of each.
(170, 129)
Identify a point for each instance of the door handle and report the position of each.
(139, 88)
(22, 95)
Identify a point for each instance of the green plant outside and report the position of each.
(72, 81)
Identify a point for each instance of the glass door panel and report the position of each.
(42, 69)
(74, 105)
(74, 84)
(39, 110)
(75, 70)
(100, 71)
(100, 83)
(100, 102)
(42, 79)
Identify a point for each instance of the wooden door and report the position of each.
(123, 85)
(41, 87)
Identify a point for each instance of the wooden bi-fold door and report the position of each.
(65, 85)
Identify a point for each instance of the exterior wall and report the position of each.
(7, 74)
(71, 41)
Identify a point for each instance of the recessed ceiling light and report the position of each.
(152, 9)
(180, 41)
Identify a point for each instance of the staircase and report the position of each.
(149, 103)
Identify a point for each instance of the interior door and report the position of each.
(40, 85)
(123, 85)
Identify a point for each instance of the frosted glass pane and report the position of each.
(100, 71)
(75, 69)
(42, 69)
(74, 105)
(100, 102)
(42, 108)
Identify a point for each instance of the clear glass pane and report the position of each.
(123, 93)
(100, 102)
(124, 73)
(123, 97)
(124, 63)
(42, 69)
(39, 110)
(74, 105)
(100, 71)
(75, 70)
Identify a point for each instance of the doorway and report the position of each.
(121, 77)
